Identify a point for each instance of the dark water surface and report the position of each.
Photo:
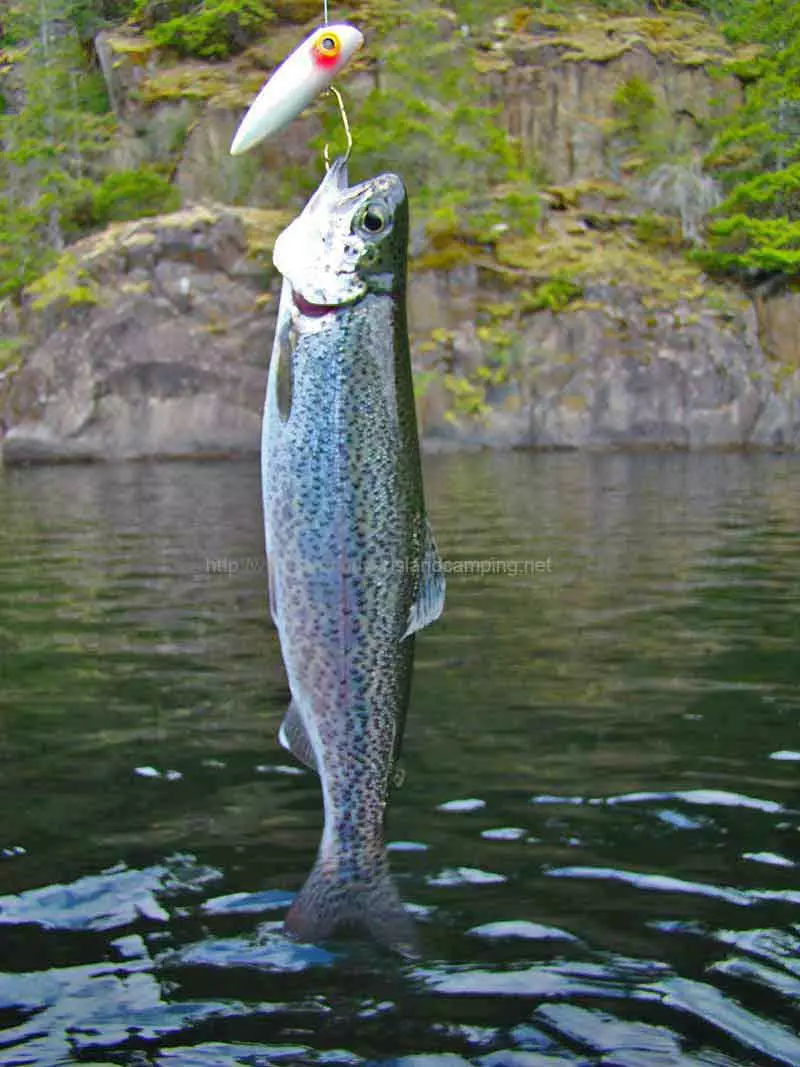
(600, 827)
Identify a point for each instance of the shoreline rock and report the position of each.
(152, 339)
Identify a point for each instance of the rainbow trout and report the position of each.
(352, 565)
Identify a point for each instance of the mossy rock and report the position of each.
(261, 227)
(131, 47)
(590, 35)
(610, 257)
(88, 273)
(223, 85)
(574, 402)
(11, 352)
(297, 11)
(10, 57)
(455, 253)
(275, 46)
(607, 220)
(564, 197)
(67, 285)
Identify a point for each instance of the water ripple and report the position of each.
(613, 881)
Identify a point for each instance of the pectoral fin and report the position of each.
(429, 602)
(293, 737)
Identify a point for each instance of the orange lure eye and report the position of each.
(326, 49)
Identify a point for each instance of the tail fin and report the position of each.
(329, 901)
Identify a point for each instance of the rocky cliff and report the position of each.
(152, 338)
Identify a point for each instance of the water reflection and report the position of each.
(599, 831)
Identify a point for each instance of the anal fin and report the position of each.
(429, 601)
(293, 737)
(273, 600)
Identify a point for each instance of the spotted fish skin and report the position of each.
(353, 569)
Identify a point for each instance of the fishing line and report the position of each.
(332, 90)
(345, 122)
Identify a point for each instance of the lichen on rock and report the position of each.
(171, 358)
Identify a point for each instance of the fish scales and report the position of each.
(352, 567)
(350, 491)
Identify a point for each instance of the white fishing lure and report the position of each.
(306, 72)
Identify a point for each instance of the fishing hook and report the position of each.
(345, 122)
(340, 102)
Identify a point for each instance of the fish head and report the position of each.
(347, 242)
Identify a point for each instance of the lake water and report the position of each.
(600, 825)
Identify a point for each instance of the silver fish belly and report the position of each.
(353, 569)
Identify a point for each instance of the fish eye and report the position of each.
(373, 219)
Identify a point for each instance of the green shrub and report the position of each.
(430, 117)
(148, 13)
(133, 194)
(634, 102)
(767, 194)
(553, 295)
(214, 30)
(750, 248)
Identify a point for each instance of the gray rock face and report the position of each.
(556, 92)
(612, 374)
(166, 359)
(564, 116)
(154, 340)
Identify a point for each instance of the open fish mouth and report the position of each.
(309, 308)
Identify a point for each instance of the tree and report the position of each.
(429, 116)
(757, 232)
(51, 139)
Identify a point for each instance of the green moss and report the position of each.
(467, 397)
(274, 47)
(657, 231)
(136, 49)
(446, 255)
(67, 284)
(547, 22)
(261, 227)
(565, 197)
(498, 311)
(603, 256)
(553, 295)
(11, 349)
(634, 102)
(133, 194)
(297, 11)
(213, 29)
(423, 381)
(224, 86)
(494, 336)
(9, 57)
(135, 288)
(590, 35)
(138, 240)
